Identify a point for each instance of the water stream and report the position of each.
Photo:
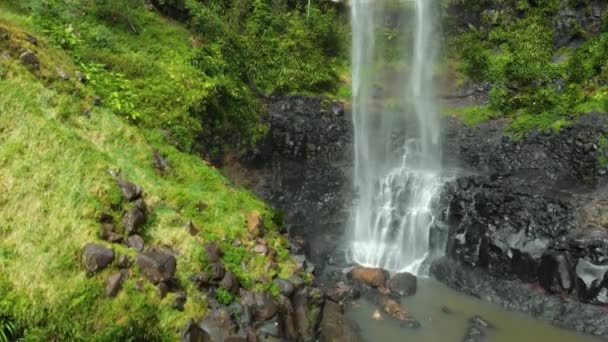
(397, 132)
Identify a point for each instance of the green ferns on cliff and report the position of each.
(58, 142)
(531, 82)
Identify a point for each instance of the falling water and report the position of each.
(397, 149)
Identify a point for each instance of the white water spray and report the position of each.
(397, 149)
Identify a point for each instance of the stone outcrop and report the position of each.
(97, 257)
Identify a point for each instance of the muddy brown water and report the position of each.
(438, 326)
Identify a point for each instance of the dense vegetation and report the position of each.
(115, 81)
(533, 81)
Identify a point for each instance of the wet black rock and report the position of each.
(556, 272)
(403, 284)
(157, 265)
(97, 257)
(591, 279)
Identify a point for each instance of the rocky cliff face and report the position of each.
(302, 167)
(531, 211)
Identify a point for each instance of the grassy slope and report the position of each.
(54, 183)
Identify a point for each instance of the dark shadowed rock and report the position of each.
(404, 284)
(30, 60)
(213, 252)
(136, 242)
(335, 327)
(157, 265)
(230, 282)
(114, 283)
(191, 228)
(201, 280)
(130, 191)
(286, 319)
(375, 277)
(124, 261)
(556, 272)
(97, 257)
(265, 306)
(159, 162)
(162, 290)
(191, 332)
(285, 286)
(591, 279)
(179, 301)
(109, 234)
(133, 220)
(216, 271)
(218, 325)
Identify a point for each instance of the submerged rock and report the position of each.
(335, 327)
(97, 257)
(391, 307)
(403, 284)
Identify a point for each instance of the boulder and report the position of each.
(403, 284)
(556, 272)
(97, 257)
(114, 283)
(591, 278)
(230, 282)
(30, 60)
(136, 242)
(264, 306)
(133, 220)
(213, 252)
(374, 277)
(285, 286)
(157, 265)
(130, 191)
(191, 332)
(217, 325)
(341, 292)
(335, 327)
(286, 319)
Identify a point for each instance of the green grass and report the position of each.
(55, 153)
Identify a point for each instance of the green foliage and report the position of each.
(224, 296)
(7, 329)
(514, 54)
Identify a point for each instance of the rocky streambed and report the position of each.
(524, 220)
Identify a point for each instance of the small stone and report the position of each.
(30, 60)
(31, 39)
(124, 261)
(237, 243)
(179, 301)
(80, 77)
(141, 205)
(191, 228)
(162, 290)
(62, 74)
(230, 282)
(260, 249)
(136, 242)
(446, 310)
(160, 163)
(201, 206)
(130, 191)
(213, 252)
(97, 257)
(113, 284)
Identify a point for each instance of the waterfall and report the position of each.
(397, 172)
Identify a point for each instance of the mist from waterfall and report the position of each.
(397, 172)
